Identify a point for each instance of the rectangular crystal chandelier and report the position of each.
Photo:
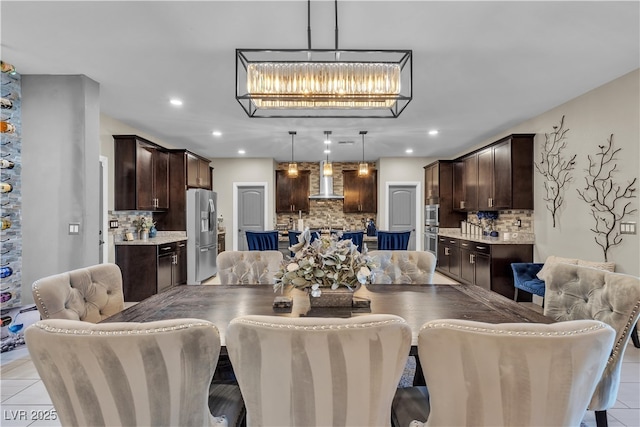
(323, 83)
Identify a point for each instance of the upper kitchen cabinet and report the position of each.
(360, 192)
(292, 194)
(141, 174)
(432, 184)
(183, 166)
(499, 176)
(198, 173)
(439, 190)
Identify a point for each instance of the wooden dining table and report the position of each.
(417, 304)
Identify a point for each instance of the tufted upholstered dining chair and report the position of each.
(248, 267)
(318, 371)
(576, 292)
(262, 240)
(127, 374)
(403, 267)
(89, 294)
(510, 374)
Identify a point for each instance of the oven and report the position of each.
(431, 215)
(431, 239)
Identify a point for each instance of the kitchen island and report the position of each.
(283, 242)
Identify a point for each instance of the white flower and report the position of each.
(363, 273)
(315, 290)
(293, 266)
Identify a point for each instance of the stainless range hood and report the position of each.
(326, 187)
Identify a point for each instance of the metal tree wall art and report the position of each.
(609, 201)
(555, 168)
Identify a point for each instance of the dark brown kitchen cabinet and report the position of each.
(470, 187)
(475, 263)
(439, 184)
(484, 264)
(198, 173)
(498, 176)
(175, 218)
(151, 269)
(360, 192)
(292, 194)
(432, 183)
(141, 174)
(449, 256)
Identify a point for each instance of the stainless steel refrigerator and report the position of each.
(202, 235)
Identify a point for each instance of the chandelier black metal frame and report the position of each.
(324, 83)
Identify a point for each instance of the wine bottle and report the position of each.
(6, 223)
(6, 103)
(5, 187)
(5, 272)
(6, 164)
(6, 127)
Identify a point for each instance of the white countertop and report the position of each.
(162, 238)
(504, 238)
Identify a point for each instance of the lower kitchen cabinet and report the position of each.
(150, 269)
(487, 265)
(449, 256)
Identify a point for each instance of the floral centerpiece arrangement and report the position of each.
(142, 223)
(488, 217)
(327, 262)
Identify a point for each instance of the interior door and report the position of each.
(402, 211)
(250, 213)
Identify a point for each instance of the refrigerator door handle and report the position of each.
(212, 215)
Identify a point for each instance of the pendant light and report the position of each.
(293, 166)
(363, 167)
(327, 170)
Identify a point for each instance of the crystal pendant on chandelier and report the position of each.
(292, 172)
(327, 170)
(363, 167)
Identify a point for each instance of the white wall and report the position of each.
(613, 108)
(227, 171)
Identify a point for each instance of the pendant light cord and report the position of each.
(336, 10)
(309, 24)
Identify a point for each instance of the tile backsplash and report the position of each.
(507, 221)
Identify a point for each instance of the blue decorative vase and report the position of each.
(153, 232)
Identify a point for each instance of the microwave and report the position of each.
(431, 215)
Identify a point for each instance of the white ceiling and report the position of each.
(478, 67)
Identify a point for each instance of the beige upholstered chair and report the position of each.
(128, 374)
(576, 292)
(511, 374)
(318, 371)
(90, 294)
(403, 267)
(248, 267)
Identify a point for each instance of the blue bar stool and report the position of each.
(262, 240)
(393, 240)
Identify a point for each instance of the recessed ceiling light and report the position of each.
(327, 151)
(408, 150)
(216, 133)
(176, 102)
(433, 132)
(241, 151)
(327, 141)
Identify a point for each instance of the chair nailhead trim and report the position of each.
(507, 332)
(129, 332)
(319, 327)
(37, 292)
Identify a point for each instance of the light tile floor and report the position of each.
(25, 402)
